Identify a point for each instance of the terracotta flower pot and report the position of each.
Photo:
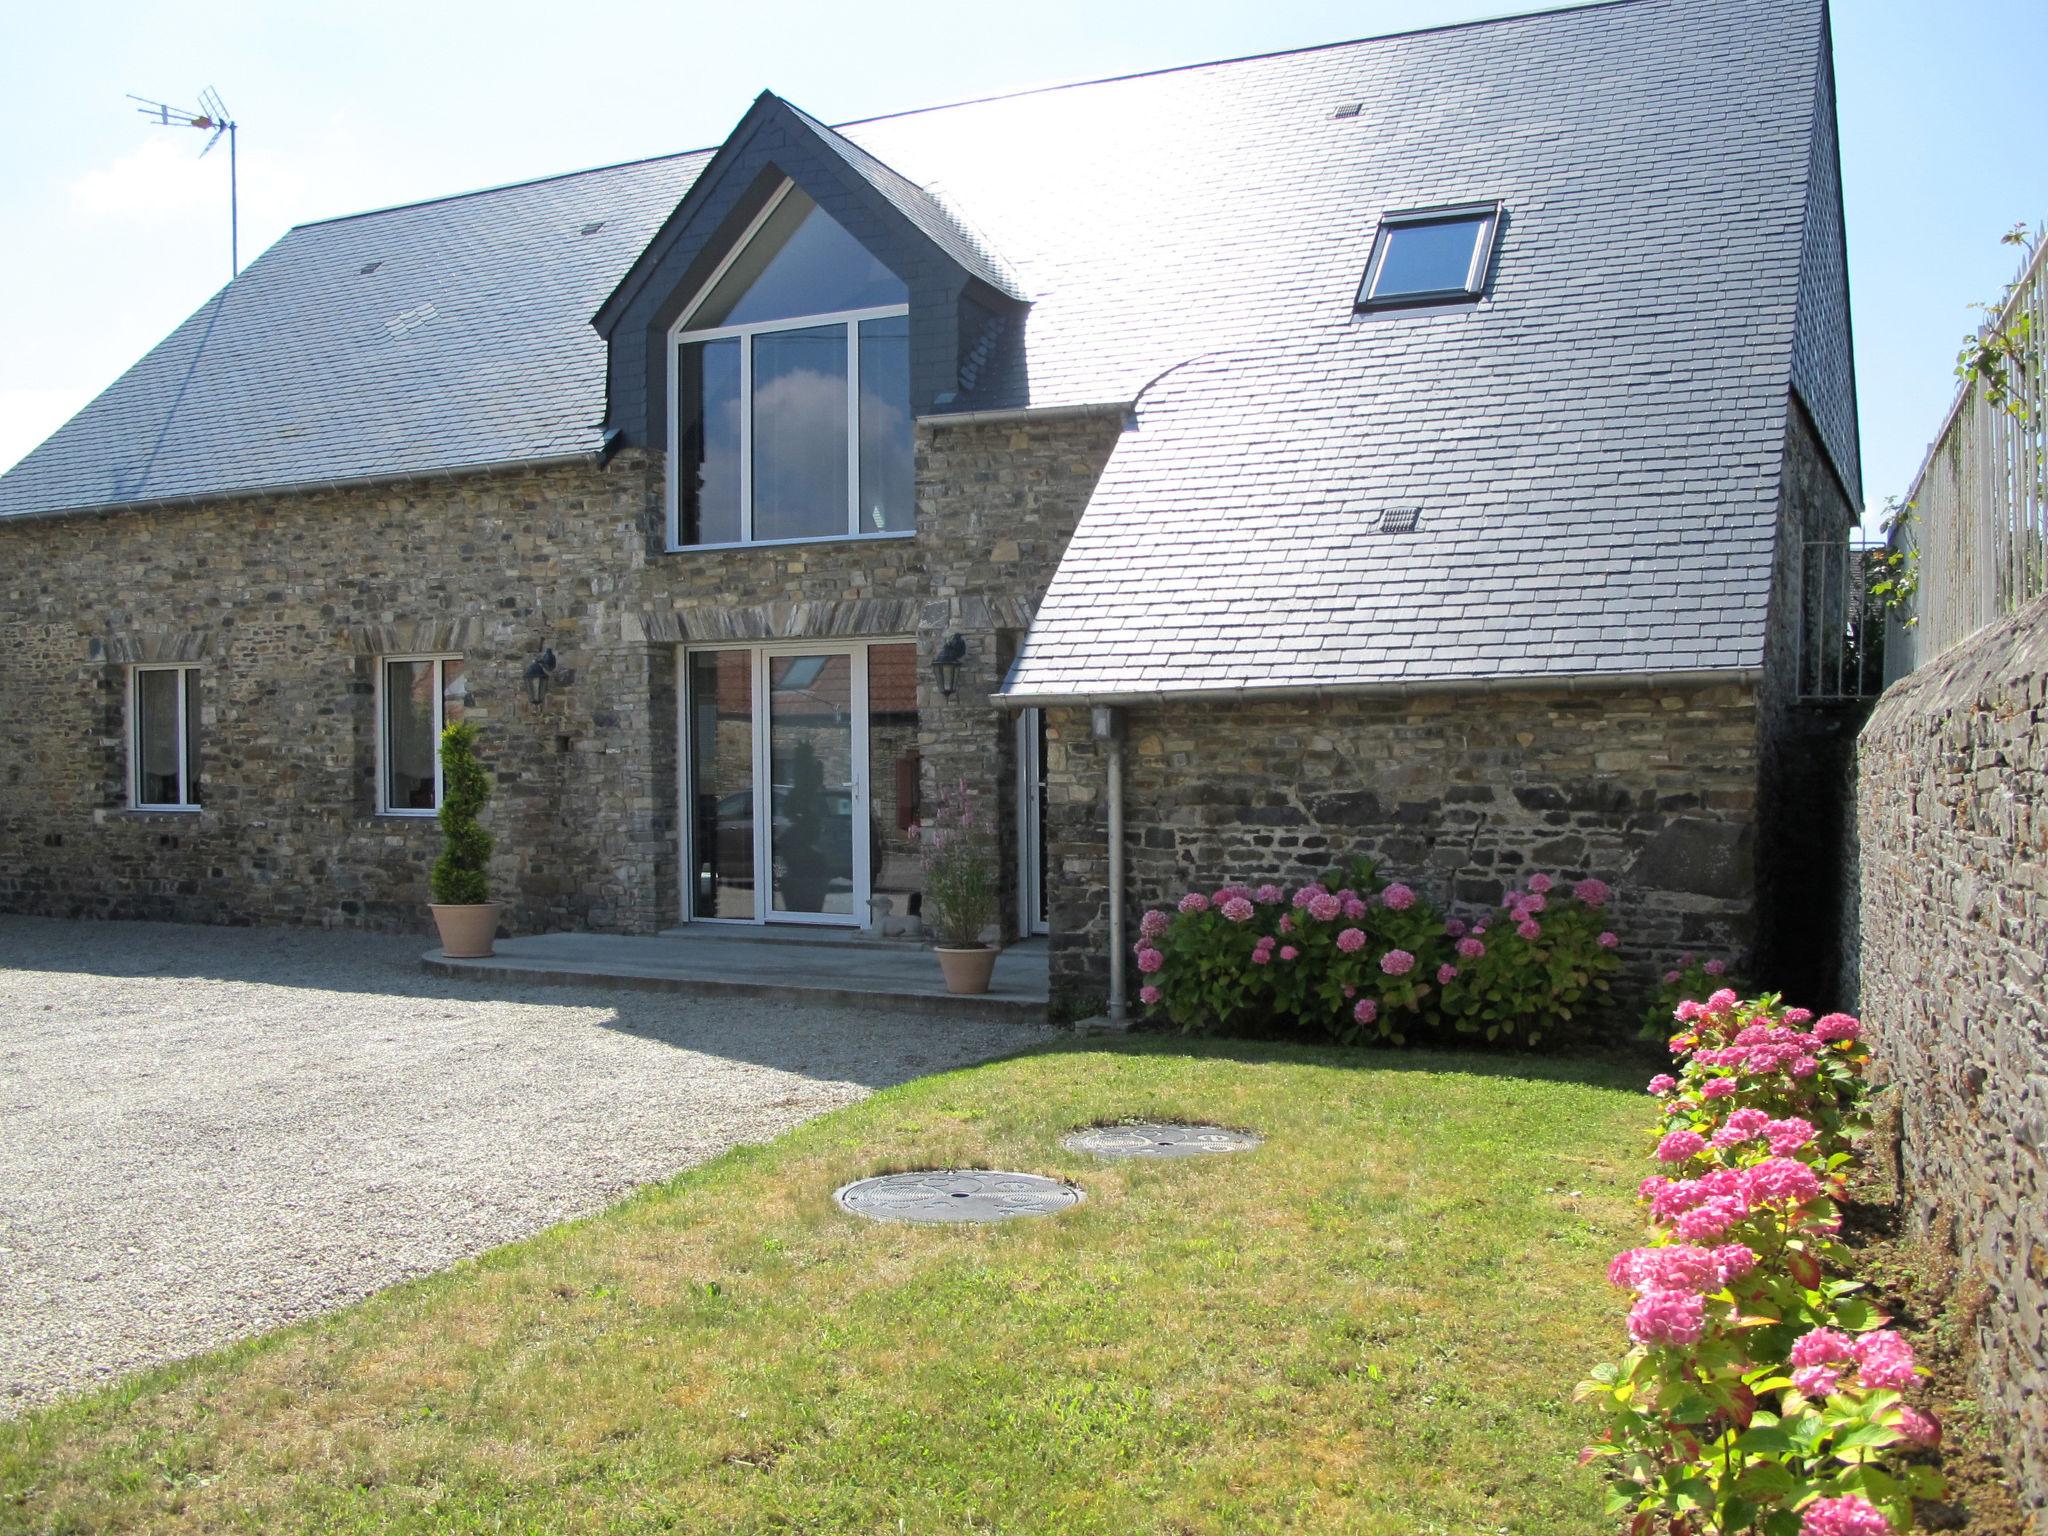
(967, 970)
(467, 933)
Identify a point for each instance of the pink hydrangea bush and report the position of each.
(1761, 1393)
(1541, 962)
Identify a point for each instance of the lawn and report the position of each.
(1370, 1324)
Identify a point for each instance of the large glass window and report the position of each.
(421, 696)
(164, 742)
(792, 391)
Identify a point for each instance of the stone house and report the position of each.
(1406, 446)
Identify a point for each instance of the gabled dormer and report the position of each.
(802, 305)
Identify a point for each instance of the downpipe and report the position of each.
(1107, 726)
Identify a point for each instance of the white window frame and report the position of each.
(764, 854)
(384, 663)
(185, 802)
(1487, 215)
(681, 334)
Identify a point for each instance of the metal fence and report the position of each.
(1979, 518)
(1842, 629)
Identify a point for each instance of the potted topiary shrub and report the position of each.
(463, 910)
(960, 892)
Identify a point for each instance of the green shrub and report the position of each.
(461, 875)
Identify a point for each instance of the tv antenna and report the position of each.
(211, 116)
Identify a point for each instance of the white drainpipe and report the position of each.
(1108, 729)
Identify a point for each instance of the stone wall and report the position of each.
(1654, 790)
(1952, 812)
(287, 602)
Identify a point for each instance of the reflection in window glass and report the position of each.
(893, 767)
(721, 706)
(166, 736)
(799, 403)
(708, 443)
(420, 698)
(886, 461)
(801, 262)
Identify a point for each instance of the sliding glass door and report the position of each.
(786, 752)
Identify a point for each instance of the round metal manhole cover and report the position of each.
(1157, 1140)
(957, 1194)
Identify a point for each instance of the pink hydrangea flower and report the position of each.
(1397, 962)
(1710, 1218)
(1532, 904)
(1529, 929)
(1662, 1084)
(1722, 1001)
(1922, 1429)
(1366, 1011)
(1734, 1260)
(1667, 1317)
(1470, 948)
(1266, 895)
(1286, 923)
(1308, 893)
(1837, 1026)
(1150, 960)
(1539, 883)
(1325, 908)
(1850, 1515)
(1238, 909)
(1684, 1268)
(1740, 1126)
(1592, 893)
(1671, 978)
(1716, 967)
(1717, 1087)
(1780, 1179)
(1194, 901)
(1798, 1018)
(1351, 940)
(1822, 1346)
(1816, 1380)
(1154, 923)
(1479, 930)
(1262, 956)
(1398, 897)
(1785, 1137)
(1609, 940)
(1231, 893)
(1652, 1187)
(1289, 952)
(1148, 995)
(1884, 1361)
(1351, 991)
(1677, 1146)
(1354, 909)
(1454, 927)
(1804, 1066)
(1446, 974)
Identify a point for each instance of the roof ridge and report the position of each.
(1498, 19)
(514, 186)
(1540, 13)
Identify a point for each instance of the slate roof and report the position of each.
(1593, 449)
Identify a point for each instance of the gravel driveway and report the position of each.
(206, 1132)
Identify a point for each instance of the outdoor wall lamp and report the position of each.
(946, 665)
(538, 671)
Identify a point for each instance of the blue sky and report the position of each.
(115, 231)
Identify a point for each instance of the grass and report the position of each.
(1370, 1324)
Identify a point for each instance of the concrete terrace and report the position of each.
(792, 965)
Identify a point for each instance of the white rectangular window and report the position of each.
(417, 697)
(163, 738)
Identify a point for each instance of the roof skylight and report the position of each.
(1430, 256)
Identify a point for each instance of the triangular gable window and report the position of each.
(800, 262)
(789, 389)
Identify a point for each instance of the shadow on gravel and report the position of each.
(788, 1036)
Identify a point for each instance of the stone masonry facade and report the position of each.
(287, 603)
(1651, 789)
(1952, 821)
